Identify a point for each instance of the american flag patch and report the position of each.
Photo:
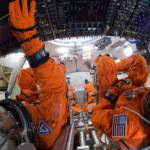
(119, 125)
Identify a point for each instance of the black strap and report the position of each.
(111, 97)
(23, 30)
(38, 58)
(29, 39)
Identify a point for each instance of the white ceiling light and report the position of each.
(128, 51)
(86, 52)
(87, 48)
(117, 60)
(71, 42)
(63, 50)
(67, 57)
(86, 56)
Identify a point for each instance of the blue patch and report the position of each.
(122, 120)
(43, 129)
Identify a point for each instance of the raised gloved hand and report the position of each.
(116, 89)
(22, 22)
(21, 19)
(123, 84)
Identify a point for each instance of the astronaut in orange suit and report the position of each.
(70, 91)
(106, 74)
(91, 96)
(74, 105)
(120, 110)
(89, 88)
(49, 116)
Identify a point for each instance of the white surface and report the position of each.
(15, 91)
(122, 76)
(147, 84)
(77, 45)
(12, 60)
(2, 95)
(128, 51)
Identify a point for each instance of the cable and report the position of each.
(136, 113)
(49, 20)
(3, 17)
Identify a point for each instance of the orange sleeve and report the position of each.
(134, 65)
(28, 87)
(125, 64)
(103, 103)
(106, 73)
(102, 116)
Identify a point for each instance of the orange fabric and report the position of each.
(52, 109)
(28, 85)
(88, 107)
(89, 87)
(136, 67)
(25, 79)
(126, 144)
(76, 108)
(136, 129)
(106, 73)
(63, 67)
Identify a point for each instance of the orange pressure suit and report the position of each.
(116, 113)
(74, 106)
(88, 106)
(70, 91)
(89, 88)
(106, 74)
(51, 114)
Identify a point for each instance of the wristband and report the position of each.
(38, 58)
(111, 97)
